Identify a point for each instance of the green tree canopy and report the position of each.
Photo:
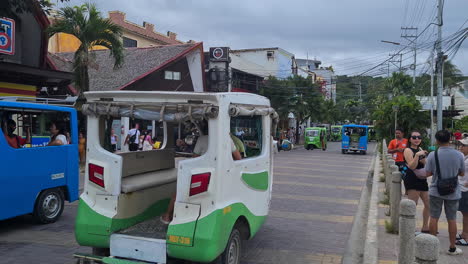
(87, 25)
(409, 116)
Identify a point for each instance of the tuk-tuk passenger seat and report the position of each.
(146, 169)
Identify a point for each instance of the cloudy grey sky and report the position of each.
(343, 33)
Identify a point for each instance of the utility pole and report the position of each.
(432, 98)
(412, 38)
(439, 66)
(396, 60)
(359, 86)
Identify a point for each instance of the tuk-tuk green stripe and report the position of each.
(257, 181)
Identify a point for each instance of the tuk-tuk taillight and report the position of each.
(96, 174)
(199, 183)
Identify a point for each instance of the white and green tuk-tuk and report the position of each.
(219, 200)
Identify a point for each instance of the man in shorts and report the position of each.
(451, 165)
(397, 146)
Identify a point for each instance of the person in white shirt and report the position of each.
(133, 138)
(58, 132)
(462, 239)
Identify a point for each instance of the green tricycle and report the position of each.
(336, 133)
(315, 137)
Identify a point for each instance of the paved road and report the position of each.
(315, 196)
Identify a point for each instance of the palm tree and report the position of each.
(87, 25)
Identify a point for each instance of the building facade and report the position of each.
(133, 36)
(265, 62)
(25, 70)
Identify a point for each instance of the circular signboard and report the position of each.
(4, 40)
(218, 53)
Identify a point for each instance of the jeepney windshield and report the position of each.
(312, 133)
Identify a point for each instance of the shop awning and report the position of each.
(22, 74)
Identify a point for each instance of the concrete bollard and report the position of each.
(427, 249)
(406, 234)
(391, 168)
(395, 197)
(388, 175)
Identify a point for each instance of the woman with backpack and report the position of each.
(415, 175)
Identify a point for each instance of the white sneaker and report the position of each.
(456, 252)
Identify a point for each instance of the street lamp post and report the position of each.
(413, 66)
(395, 109)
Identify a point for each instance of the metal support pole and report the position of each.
(440, 65)
(432, 100)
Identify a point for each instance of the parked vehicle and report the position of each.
(354, 138)
(219, 201)
(35, 179)
(315, 137)
(336, 133)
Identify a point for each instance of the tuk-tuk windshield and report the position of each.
(335, 130)
(312, 133)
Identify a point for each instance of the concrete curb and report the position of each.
(371, 248)
(356, 245)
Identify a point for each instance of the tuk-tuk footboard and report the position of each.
(211, 233)
(94, 229)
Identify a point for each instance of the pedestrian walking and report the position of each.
(397, 146)
(445, 165)
(133, 138)
(462, 239)
(415, 179)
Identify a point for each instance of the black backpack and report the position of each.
(133, 138)
(445, 186)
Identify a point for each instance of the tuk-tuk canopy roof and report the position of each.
(352, 125)
(316, 128)
(173, 106)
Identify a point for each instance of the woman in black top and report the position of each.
(416, 187)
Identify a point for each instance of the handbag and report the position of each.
(420, 173)
(445, 186)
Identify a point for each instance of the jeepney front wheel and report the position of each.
(232, 253)
(49, 206)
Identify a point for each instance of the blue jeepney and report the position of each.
(36, 179)
(354, 138)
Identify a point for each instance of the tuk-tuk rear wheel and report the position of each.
(232, 252)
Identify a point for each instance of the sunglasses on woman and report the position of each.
(416, 137)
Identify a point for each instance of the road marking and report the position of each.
(388, 262)
(308, 217)
(329, 165)
(319, 158)
(314, 198)
(331, 186)
(273, 255)
(320, 170)
(320, 176)
(64, 239)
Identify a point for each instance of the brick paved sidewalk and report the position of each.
(389, 243)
